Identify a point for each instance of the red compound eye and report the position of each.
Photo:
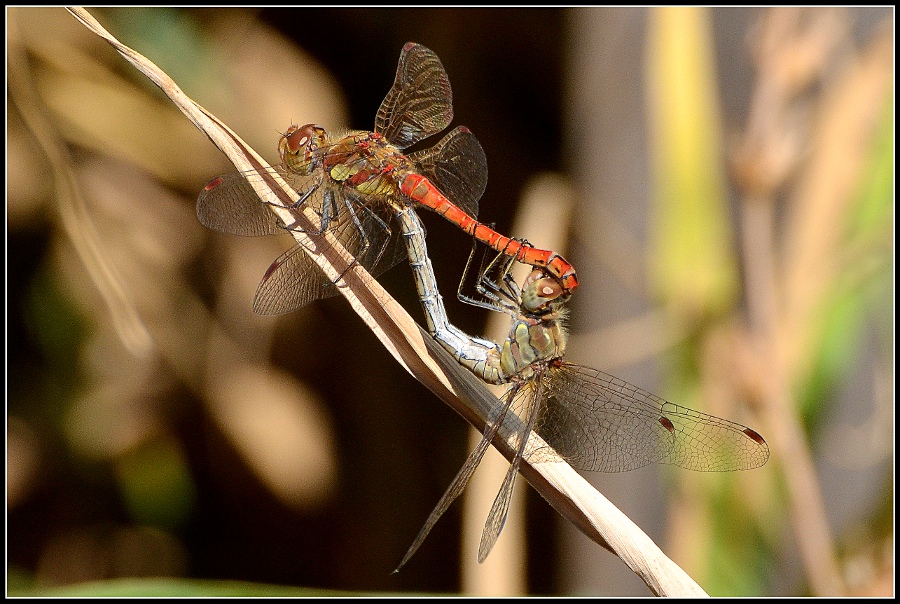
(296, 138)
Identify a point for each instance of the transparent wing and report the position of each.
(458, 485)
(457, 166)
(601, 423)
(420, 102)
(229, 204)
(526, 399)
(294, 280)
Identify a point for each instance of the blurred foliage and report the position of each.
(693, 264)
(693, 260)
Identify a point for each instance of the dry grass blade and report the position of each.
(556, 481)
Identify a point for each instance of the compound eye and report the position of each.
(297, 138)
(540, 293)
(548, 288)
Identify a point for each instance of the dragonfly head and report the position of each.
(299, 144)
(541, 293)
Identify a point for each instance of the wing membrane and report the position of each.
(457, 166)
(229, 204)
(294, 279)
(419, 103)
(601, 423)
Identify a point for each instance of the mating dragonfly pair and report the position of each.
(360, 184)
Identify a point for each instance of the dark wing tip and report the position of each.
(215, 182)
(754, 435)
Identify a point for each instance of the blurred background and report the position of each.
(723, 179)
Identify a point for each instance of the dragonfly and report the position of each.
(356, 183)
(595, 421)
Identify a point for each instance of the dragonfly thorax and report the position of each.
(532, 341)
(368, 163)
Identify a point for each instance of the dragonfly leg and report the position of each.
(503, 285)
(386, 228)
(326, 214)
(366, 242)
(302, 199)
(491, 298)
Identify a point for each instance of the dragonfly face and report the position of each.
(541, 293)
(298, 147)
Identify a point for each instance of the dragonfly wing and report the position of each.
(457, 166)
(500, 508)
(419, 103)
(497, 516)
(461, 479)
(601, 423)
(290, 283)
(229, 203)
(294, 279)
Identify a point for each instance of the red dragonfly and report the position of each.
(356, 183)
